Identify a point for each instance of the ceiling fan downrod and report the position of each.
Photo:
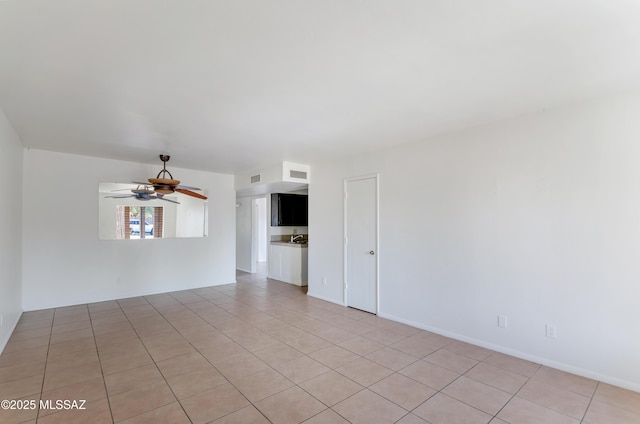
(164, 172)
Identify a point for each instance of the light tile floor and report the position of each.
(262, 351)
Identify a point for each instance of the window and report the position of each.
(139, 222)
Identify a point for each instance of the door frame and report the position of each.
(255, 228)
(345, 289)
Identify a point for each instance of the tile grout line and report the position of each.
(590, 401)
(529, 379)
(197, 350)
(104, 381)
(207, 359)
(359, 357)
(440, 391)
(513, 396)
(44, 372)
(268, 365)
(154, 361)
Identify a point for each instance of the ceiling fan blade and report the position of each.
(168, 200)
(121, 196)
(188, 188)
(191, 193)
(141, 183)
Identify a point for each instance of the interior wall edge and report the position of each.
(326, 299)
(5, 339)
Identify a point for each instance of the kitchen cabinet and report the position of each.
(288, 262)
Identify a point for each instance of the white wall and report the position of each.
(10, 229)
(536, 218)
(64, 262)
(190, 216)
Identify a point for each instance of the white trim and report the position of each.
(625, 384)
(516, 353)
(254, 235)
(326, 299)
(3, 343)
(29, 307)
(376, 178)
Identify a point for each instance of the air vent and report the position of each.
(255, 179)
(298, 174)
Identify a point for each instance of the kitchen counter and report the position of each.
(288, 243)
(288, 261)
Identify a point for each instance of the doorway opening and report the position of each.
(256, 236)
(259, 235)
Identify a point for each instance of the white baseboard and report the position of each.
(625, 384)
(310, 293)
(522, 355)
(5, 339)
(120, 295)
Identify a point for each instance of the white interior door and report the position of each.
(361, 243)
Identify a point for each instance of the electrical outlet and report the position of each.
(551, 331)
(502, 321)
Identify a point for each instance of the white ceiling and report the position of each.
(233, 85)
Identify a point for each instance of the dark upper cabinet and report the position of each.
(289, 210)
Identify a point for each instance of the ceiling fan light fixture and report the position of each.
(164, 181)
(142, 191)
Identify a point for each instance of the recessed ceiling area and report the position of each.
(230, 86)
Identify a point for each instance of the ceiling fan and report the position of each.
(143, 192)
(164, 185)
